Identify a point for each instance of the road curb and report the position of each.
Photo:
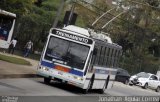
(18, 76)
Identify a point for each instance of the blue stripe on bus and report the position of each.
(51, 65)
(79, 73)
(47, 64)
(101, 71)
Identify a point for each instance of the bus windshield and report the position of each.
(5, 27)
(66, 52)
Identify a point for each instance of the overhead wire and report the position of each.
(112, 14)
(133, 1)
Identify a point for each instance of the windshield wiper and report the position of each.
(68, 57)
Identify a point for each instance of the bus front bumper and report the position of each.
(65, 77)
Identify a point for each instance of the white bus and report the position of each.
(7, 23)
(73, 56)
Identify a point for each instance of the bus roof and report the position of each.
(89, 33)
(104, 43)
(6, 13)
(101, 36)
(77, 29)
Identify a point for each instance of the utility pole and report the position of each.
(71, 13)
(58, 13)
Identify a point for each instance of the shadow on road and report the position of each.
(70, 88)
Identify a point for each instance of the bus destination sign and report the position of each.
(73, 37)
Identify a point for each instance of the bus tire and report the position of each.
(104, 87)
(47, 80)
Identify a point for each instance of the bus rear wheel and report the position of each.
(47, 80)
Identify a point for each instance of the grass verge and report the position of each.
(14, 60)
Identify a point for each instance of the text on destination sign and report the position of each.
(73, 37)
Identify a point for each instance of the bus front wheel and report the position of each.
(47, 80)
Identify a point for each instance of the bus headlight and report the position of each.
(44, 68)
(78, 78)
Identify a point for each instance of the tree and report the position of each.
(33, 21)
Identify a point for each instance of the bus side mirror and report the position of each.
(95, 51)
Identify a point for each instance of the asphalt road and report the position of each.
(36, 87)
(120, 89)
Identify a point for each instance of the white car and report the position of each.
(145, 80)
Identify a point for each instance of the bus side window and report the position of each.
(101, 56)
(97, 55)
(104, 56)
(95, 51)
(115, 58)
(5, 27)
(93, 58)
(112, 57)
(107, 57)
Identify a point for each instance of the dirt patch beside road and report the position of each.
(10, 70)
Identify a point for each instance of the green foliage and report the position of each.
(14, 60)
(134, 30)
(154, 3)
(142, 28)
(33, 21)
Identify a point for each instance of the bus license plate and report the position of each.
(60, 73)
